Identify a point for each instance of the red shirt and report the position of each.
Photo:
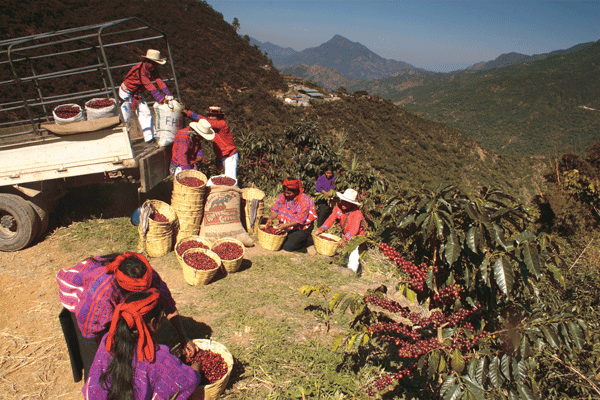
(139, 79)
(300, 210)
(223, 143)
(349, 221)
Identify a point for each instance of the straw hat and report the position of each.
(203, 129)
(214, 111)
(350, 196)
(154, 55)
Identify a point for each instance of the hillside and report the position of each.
(529, 109)
(401, 146)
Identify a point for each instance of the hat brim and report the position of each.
(161, 61)
(341, 196)
(198, 129)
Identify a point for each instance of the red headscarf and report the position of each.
(127, 282)
(294, 184)
(133, 314)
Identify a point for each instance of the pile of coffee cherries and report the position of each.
(199, 261)
(190, 244)
(158, 217)
(228, 251)
(271, 231)
(223, 180)
(212, 365)
(101, 103)
(190, 181)
(66, 112)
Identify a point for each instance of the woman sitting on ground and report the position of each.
(296, 213)
(350, 218)
(129, 366)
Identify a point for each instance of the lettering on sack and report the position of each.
(222, 217)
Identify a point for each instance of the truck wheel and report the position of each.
(18, 223)
(41, 209)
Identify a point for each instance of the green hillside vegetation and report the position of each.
(528, 109)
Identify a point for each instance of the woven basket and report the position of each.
(326, 247)
(159, 237)
(269, 241)
(195, 238)
(182, 189)
(197, 277)
(214, 390)
(230, 265)
(249, 194)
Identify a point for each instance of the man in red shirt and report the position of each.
(137, 81)
(223, 144)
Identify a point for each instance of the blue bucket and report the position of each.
(135, 217)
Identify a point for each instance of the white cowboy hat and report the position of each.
(154, 55)
(350, 196)
(203, 129)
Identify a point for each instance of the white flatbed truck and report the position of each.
(38, 161)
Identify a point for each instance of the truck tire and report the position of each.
(18, 223)
(41, 209)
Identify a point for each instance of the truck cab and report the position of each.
(40, 159)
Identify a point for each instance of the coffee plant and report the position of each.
(480, 309)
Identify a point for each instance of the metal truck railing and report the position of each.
(30, 88)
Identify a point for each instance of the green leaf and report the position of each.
(474, 387)
(532, 259)
(337, 341)
(453, 393)
(524, 237)
(525, 348)
(471, 241)
(448, 383)
(336, 299)
(576, 334)
(430, 279)
(358, 340)
(525, 392)
(452, 249)
(411, 295)
(505, 366)
(551, 335)
(458, 361)
(481, 372)
(495, 376)
(442, 365)
(522, 372)
(407, 221)
(503, 273)
(433, 363)
(351, 341)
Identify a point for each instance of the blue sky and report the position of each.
(434, 35)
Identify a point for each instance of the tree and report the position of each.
(236, 24)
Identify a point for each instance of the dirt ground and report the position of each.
(34, 362)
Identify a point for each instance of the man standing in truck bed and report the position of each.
(137, 81)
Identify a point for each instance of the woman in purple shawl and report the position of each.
(326, 186)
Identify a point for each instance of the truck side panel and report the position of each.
(66, 156)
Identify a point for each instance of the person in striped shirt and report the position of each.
(348, 215)
(94, 288)
(129, 365)
(136, 82)
(223, 144)
(187, 146)
(296, 213)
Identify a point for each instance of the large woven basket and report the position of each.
(197, 277)
(269, 241)
(230, 265)
(195, 238)
(324, 246)
(214, 390)
(249, 194)
(159, 237)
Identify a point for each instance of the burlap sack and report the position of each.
(222, 215)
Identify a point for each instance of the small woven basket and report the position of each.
(195, 238)
(214, 390)
(230, 265)
(324, 246)
(159, 237)
(197, 277)
(269, 241)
